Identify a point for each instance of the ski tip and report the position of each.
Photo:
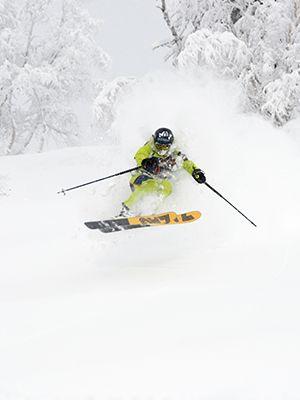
(198, 213)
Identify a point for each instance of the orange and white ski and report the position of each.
(141, 221)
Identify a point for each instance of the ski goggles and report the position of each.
(162, 147)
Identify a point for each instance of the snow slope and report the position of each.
(205, 311)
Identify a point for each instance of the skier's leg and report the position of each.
(135, 184)
(165, 187)
(160, 186)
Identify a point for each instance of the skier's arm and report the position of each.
(142, 153)
(189, 166)
(193, 170)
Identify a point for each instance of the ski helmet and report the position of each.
(163, 139)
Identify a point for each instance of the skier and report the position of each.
(158, 158)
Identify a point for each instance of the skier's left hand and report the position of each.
(199, 176)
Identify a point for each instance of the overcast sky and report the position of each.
(130, 29)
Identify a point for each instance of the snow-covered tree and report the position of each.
(221, 51)
(184, 17)
(282, 97)
(257, 41)
(47, 54)
(107, 102)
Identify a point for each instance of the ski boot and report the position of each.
(125, 212)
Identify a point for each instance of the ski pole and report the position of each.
(98, 180)
(219, 194)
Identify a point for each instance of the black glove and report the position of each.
(151, 165)
(199, 176)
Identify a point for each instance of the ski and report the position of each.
(142, 221)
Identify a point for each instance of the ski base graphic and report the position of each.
(142, 221)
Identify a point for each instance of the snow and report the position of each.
(206, 310)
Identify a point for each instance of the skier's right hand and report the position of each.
(151, 165)
(198, 175)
